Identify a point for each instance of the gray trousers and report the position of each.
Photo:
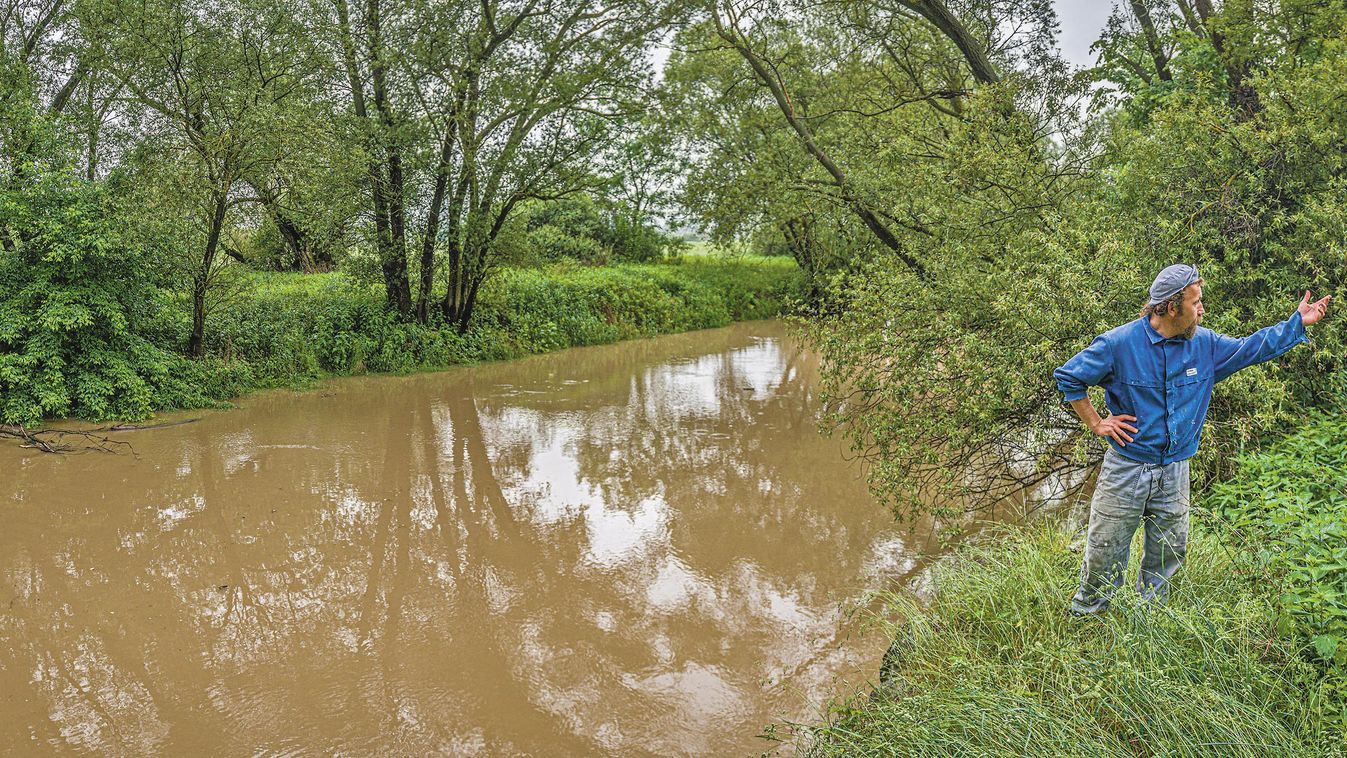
(1129, 494)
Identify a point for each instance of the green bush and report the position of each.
(1288, 503)
(75, 299)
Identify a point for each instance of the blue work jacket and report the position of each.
(1166, 383)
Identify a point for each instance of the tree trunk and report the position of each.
(393, 254)
(433, 227)
(449, 305)
(91, 170)
(949, 25)
(1190, 18)
(453, 294)
(392, 262)
(470, 302)
(196, 347)
(296, 241)
(456, 294)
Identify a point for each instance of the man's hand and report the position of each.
(1310, 313)
(1116, 427)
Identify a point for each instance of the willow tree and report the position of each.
(469, 108)
(52, 70)
(921, 151)
(40, 71)
(211, 84)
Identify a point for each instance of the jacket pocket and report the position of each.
(1141, 395)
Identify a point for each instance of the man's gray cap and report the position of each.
(1171, 281)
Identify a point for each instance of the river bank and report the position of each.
(1246, 659)
(295, 328)
(289, 330)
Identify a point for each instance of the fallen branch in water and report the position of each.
(64, 441)
(139, 427)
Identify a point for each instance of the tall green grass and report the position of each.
(994, 665)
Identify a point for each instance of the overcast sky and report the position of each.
(1082, 20)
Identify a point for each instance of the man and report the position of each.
(1157, 373)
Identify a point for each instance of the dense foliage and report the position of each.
(283, 135)
(1287, 505)
(582, 229)
(75, 303)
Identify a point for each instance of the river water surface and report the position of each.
(642, 548)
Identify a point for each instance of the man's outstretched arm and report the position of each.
(1231, 354)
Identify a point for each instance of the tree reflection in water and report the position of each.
(637, 548)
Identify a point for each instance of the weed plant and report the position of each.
(1287, 509)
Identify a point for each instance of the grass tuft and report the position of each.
(994, 664)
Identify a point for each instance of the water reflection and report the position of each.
(640, 548)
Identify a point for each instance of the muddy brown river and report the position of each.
(643, 548)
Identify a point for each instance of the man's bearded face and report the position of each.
(1191, 314)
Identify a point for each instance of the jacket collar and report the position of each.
(1150, 331)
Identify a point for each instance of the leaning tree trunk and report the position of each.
(469, 303)
(1152, 38)
(767, 75)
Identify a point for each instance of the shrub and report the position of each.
(75, 297)
(1288, 505)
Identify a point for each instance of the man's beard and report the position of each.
(1189, 332)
